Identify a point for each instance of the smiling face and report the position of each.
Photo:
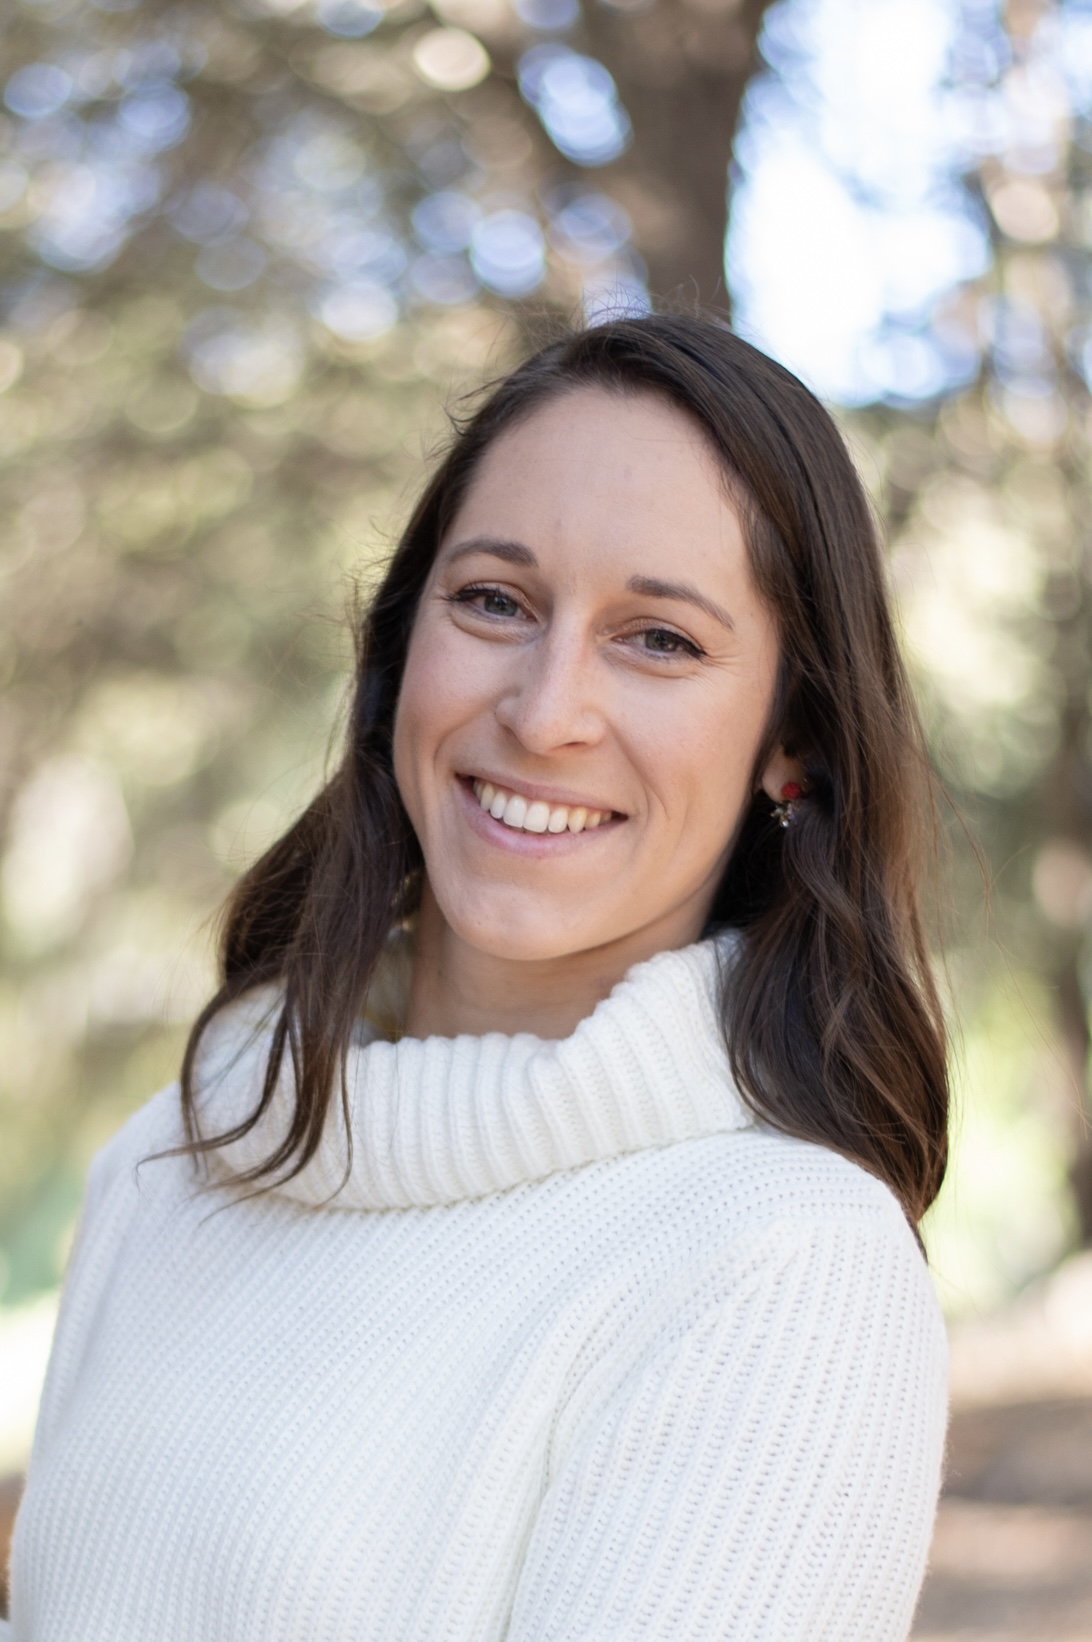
(588, 680)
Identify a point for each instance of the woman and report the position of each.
(531, 1253)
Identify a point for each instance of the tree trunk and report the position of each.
(681, 70)
(1073, 1020)
(1067, 803)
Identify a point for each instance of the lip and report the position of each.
(554, 796)
(535, 845)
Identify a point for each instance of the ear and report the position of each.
(780, 770)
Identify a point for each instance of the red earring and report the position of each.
(785, 812)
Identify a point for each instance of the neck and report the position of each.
(457, 988)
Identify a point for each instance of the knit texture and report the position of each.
(569, 1349)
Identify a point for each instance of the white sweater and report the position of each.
(575, 1351)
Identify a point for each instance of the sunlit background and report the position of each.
(251, 251)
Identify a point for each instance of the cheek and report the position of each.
(437, 697)
(706, 776)
(414, 725)
(700, 762)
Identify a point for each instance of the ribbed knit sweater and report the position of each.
(569, 1349)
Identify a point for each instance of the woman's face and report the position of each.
(588, 679)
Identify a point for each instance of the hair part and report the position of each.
(831, 1017)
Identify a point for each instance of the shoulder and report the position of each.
(804, 1188)
(792, 1202)
(230, 1055)
(789, 1274)
(133, 1169)
(801, 1241)
(757, 1186)
(804, 1205)
(758, 1230)
(154, 1128)
(227, 1083)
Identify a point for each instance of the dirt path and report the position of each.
(1012, 1552)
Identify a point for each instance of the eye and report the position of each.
(491, 601)
(495, 603)
(664, 641)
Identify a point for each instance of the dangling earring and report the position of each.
(785, 812)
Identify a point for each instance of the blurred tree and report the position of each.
(1024, 433)
(987, 489)
(246, 252)
(682, 69)
(911, 230)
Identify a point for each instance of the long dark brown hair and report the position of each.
(831, 1017)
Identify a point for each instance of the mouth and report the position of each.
(524, 813)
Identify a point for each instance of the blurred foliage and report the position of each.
(912, 231)
(1004, 1215)
(987, 494)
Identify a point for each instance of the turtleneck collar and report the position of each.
(437, 1120)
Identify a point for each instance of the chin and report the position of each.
(529, 937)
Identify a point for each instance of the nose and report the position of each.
(550, 700)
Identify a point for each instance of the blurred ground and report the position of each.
(1012, 1553)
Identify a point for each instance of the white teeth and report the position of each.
(515, 811)
(537, 816)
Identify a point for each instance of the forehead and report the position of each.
(605, 436)
(597, 472)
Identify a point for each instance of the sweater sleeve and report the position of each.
(770, 1475)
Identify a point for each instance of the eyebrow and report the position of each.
(650, 587)
(499, 547)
